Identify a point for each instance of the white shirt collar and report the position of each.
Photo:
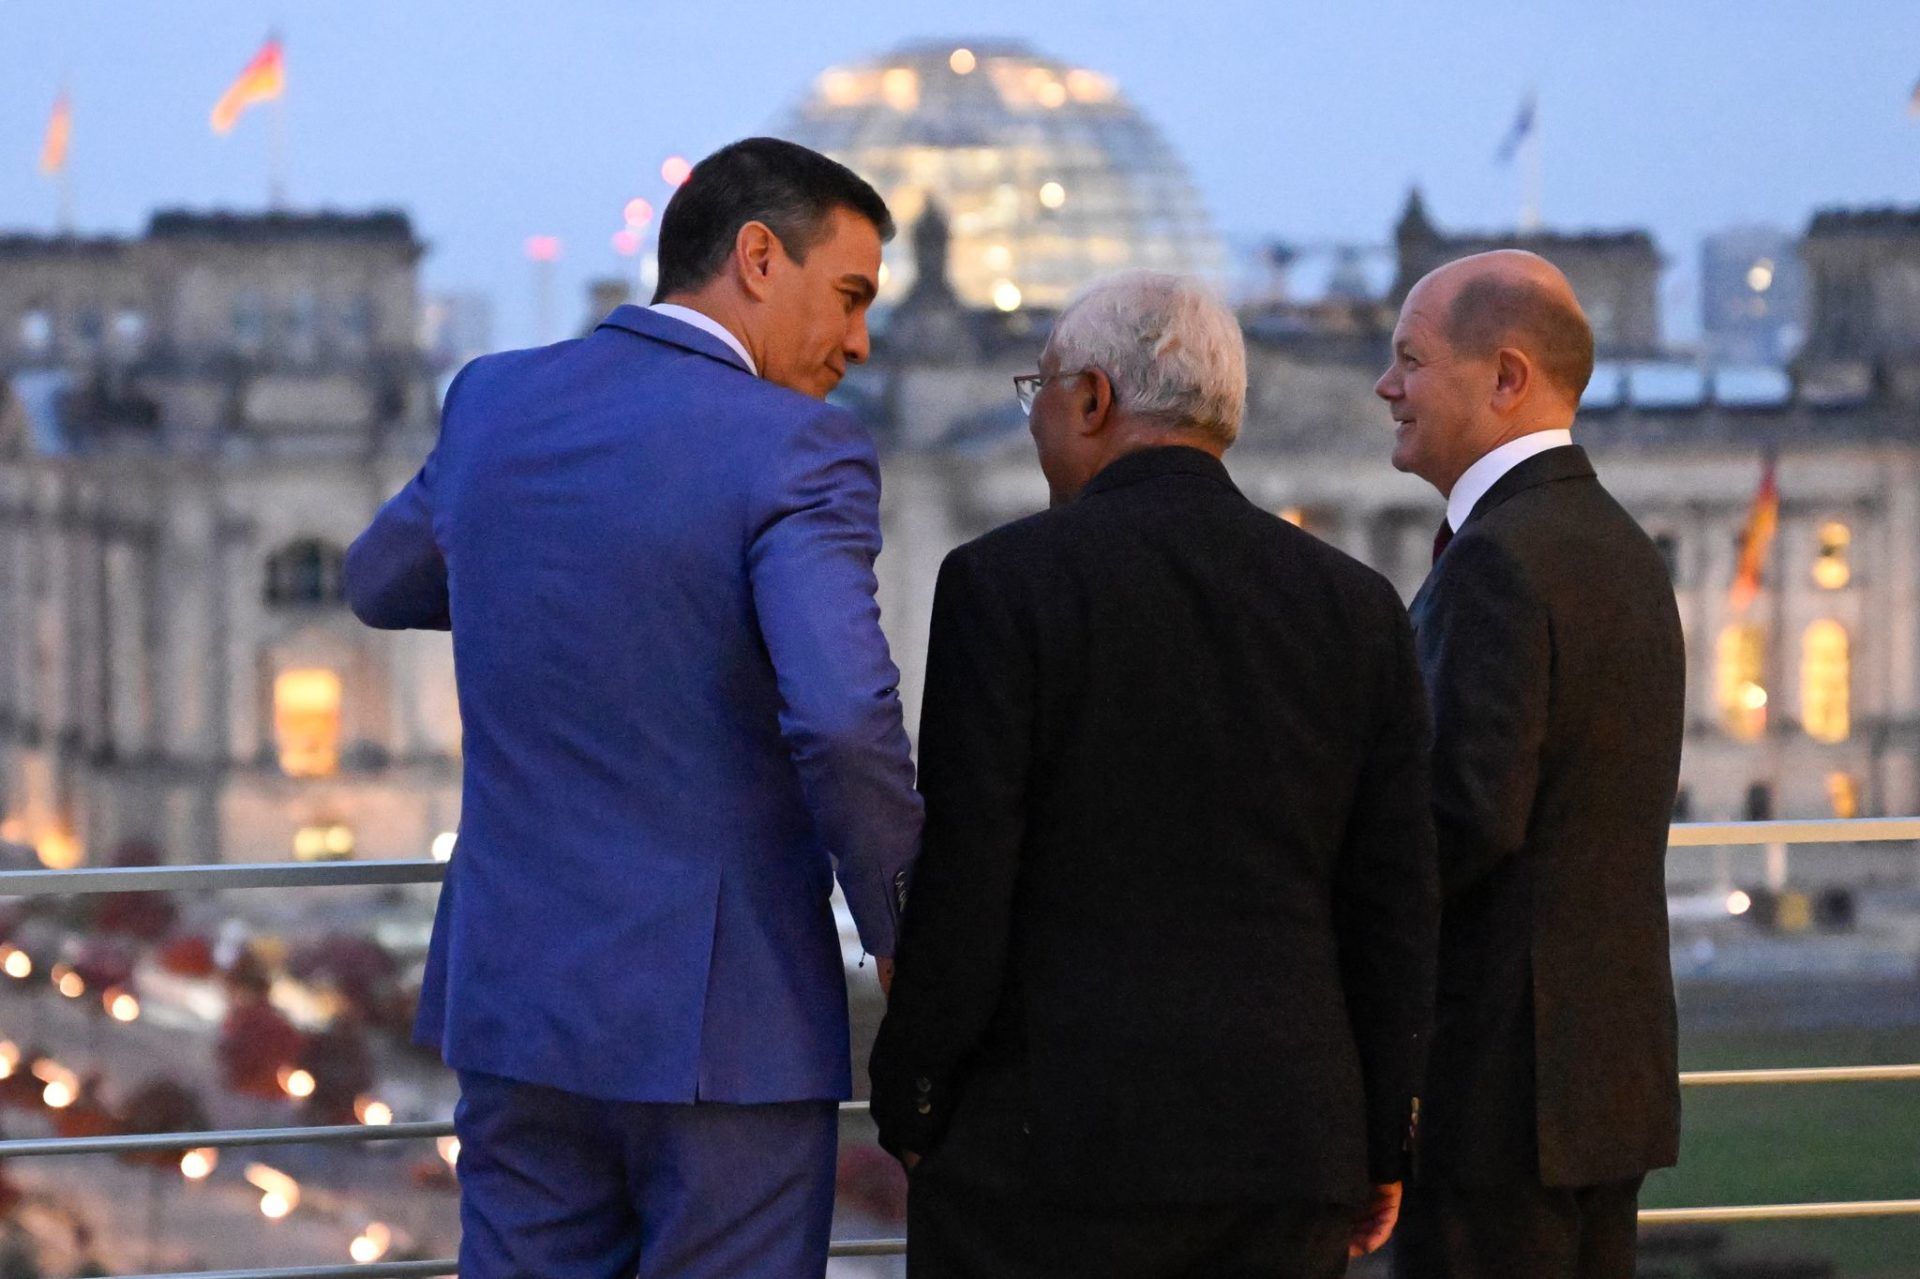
(706, 324)
(1484, 474)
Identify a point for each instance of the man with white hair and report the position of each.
(1165, 978)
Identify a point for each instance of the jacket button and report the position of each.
(925, 1107)
(923, 1084)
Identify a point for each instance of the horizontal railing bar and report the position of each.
(882, 1247)
(25, 1147)
(1852, 830)
(1800, 1075)
(1780, 1212)
(373, 1270)
(359, 874)
(140, 879)
(425, 1129)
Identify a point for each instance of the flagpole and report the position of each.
(1530, 199)
(277, 156)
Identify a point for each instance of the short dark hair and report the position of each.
(791, 189)
(1490, 312)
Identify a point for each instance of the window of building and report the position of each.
(129, 328)
(1669, 547)
(1843, 792)
(306, 722)
(249, 318)
(308, 572)
(1826, 678)
(1831, 570)
(36, 331)
(1739, 674)
(323, 842)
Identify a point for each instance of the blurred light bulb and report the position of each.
(449, 1148)
(273, 1206)
(121, 1006)
(1006, 295)
(299, 1083)
(1738, 902)
(638, 212)
(370, 1111)
(198, 1165)
(18, 964)
(962, 61)
(675, 170)
(1053, 195)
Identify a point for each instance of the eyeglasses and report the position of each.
(1026, 387)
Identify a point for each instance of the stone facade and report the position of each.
(175, 662)
(200, 419)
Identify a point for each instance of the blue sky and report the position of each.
(490, 121)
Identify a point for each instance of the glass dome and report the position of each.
(1048, 176)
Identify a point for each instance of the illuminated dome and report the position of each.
(1048, 176)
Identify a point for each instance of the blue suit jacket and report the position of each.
(679, 713)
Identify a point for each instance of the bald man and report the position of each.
(1551, 647)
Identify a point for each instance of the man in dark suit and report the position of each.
(1553, 657)
(654, 546)
(1164, 979)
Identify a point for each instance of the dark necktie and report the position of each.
(1441, 538)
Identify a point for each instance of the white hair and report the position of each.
(1172, 350)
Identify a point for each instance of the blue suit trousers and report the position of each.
(554, 1185)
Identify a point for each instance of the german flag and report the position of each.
(1762, 519)
(264, 80)
(53, 151)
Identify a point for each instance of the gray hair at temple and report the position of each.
(1172, 350)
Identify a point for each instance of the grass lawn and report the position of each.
(1804, 1143)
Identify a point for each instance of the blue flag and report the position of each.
(1522, 130)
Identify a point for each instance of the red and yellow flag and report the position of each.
(53, 152)
(264, 80)
(1762, 520)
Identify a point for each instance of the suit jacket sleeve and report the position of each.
(396, 578)
(1487, 653)
(1387, 912)
(975, 747)
(810, 563)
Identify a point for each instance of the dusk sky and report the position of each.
(491, 121)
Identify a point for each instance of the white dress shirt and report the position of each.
(1484, 474)
(706, 324)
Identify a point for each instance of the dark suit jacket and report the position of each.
(1552, 651)
(1172, 929)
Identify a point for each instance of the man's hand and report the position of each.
(1374, 1225)
(883, 969)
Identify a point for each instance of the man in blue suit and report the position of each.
(654, 547)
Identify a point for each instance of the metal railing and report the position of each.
(210, 878)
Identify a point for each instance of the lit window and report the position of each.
(1831, 571)
(1844, 794)
(323, 842)
(306, 722)
(1738, 680)
(306, 572)
(1825, 680)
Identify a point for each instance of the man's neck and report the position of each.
(723, 309)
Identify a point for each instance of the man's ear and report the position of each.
(1095, 401)
(1513, 378)
(755, 250)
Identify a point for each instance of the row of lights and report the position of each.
(119, 1004)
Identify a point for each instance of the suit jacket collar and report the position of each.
(664, 328)
(1566, 463)
(1154, 463)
